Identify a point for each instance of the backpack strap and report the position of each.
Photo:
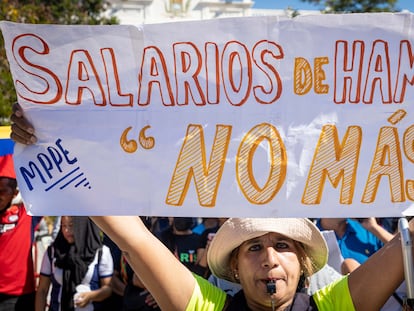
(398, 298)
(50, 254)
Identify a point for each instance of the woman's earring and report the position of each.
(236, 275)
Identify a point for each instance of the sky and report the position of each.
(300, 5)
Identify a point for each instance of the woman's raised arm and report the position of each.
(372, 283)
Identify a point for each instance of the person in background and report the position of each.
(357, 239)
(119, 279)
(206, 238)
(206, 223)
(159, 225)
(17, 278)
(389, 223)
(42, 239)
(137, 297)
(78, 266)
(183, 243)
(209, 231)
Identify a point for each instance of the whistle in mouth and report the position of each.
(271, 287)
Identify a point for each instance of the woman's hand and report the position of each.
(150, 301)
(22, 131)
(83, 299)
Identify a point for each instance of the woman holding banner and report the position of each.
(270, 258)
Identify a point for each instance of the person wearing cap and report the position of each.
(268, 257)
(296, 245)
(17, 277)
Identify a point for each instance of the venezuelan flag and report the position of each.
(6, 153)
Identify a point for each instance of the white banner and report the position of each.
(259, 117)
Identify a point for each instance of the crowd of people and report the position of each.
(180, 263)
(84, 269)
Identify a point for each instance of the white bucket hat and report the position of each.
(235, 231)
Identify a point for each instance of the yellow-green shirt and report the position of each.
(207, 297)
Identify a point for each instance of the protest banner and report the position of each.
(257, 116)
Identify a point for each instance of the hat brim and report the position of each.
(235, 231)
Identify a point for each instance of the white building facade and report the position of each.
(156, 11)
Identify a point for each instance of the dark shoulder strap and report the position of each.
(99, 259)
(303, 301)
(236, 303)
(398, 298)
(49, 253)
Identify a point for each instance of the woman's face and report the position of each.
(268, 257)
(67, 229)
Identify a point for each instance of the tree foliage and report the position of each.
(69, 12)
(355, 6)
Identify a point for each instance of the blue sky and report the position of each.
(298, 4)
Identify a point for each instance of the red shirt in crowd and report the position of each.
(16, 263)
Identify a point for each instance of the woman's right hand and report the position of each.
(21, 130)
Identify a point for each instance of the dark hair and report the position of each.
(11, 182)
(183, 223)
